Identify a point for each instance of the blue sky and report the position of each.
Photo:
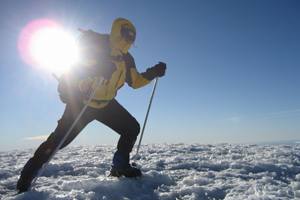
(233, 70)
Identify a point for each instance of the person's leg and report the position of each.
(120, 120)
(45, 150)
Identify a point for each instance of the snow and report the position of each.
(170, 171)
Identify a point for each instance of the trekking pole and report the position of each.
(137, 151)
(67, 134)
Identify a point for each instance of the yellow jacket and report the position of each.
(126, 69)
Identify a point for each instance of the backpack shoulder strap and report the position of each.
(129, 61)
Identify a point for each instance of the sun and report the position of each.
(44, 44)
(54, 49)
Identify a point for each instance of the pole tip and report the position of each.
(81, 30)
(134, 164)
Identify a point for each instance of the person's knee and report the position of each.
(44, 151)
(136, 129)
(55, 138)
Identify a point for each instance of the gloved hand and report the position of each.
(107, 70)
(157, 70)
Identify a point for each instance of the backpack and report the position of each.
(92, 47)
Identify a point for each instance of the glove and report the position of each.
(157, 70)
(107, 70)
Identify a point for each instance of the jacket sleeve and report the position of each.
(133, 78)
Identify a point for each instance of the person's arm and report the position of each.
(135, 79)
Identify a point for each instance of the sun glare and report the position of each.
(53, 48)
(44, 44)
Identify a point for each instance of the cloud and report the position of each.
(287, 112)
(40, 137)
(267, 116)
(283, 114)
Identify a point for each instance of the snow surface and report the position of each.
(170, 171)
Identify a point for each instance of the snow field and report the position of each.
(170, 171)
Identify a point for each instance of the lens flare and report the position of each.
(44, 44)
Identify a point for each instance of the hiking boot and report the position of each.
(128, 172)
(122, 168)
(28, 173)
(24, 184)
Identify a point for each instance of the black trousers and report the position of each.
(113, 115)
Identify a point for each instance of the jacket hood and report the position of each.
(115, 34)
